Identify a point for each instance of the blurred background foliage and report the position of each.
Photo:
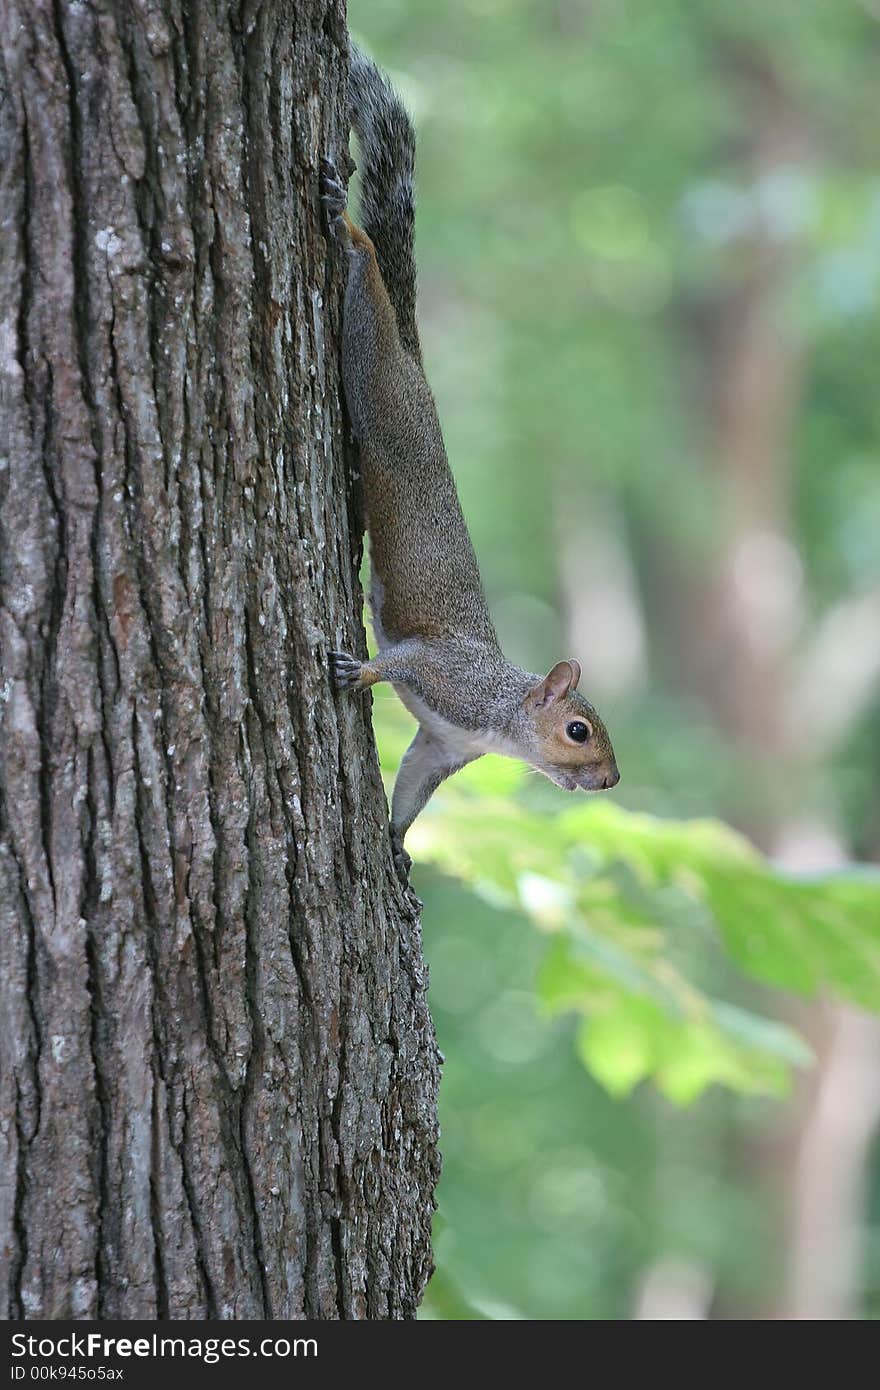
(648, 239)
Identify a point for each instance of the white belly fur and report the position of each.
(463, 743)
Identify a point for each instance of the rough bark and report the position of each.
(218, 1069)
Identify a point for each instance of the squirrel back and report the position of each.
(426, 581)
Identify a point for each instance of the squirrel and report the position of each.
(437, 645)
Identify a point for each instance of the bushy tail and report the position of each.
(387, 164)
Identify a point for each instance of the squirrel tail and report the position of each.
(387, 191)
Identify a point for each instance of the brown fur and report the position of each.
(420, 548)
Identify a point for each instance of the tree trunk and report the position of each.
(218, 1069)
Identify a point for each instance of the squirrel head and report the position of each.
(571, 744)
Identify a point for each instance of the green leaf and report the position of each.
(636, 908)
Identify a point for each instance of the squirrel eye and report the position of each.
(577, 731)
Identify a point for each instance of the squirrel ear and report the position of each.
(557, 683)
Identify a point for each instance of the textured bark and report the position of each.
(218, 1069)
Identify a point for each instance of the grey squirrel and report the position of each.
(437, 645)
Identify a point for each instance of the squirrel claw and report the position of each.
(334, 198)
(402, 861)
(345, 670)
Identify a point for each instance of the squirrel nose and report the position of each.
(611, 779)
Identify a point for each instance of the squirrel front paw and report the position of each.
(402, 861)
(345, 671)
(334, 198)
